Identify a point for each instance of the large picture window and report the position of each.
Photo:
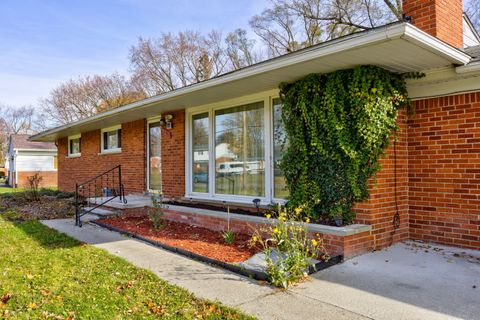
(240, 150)
(234, 151)
(200, 154)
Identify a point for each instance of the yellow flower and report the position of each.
(254, 238)
(298, 210)
(268, 216)
(307, 220)
(276, 231)
(314, 242)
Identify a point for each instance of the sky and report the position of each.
(43, 43)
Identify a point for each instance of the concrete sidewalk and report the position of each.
(403, 282)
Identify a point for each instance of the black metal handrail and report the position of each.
(105, 184)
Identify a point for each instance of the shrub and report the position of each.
(48, 192)
(288, 248)
(155, 214)
(338, 126)
(34, 183)
(65, 195)
(10, 214)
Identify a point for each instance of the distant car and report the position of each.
(231, 168)
(201, 177)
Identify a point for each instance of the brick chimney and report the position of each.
(440, 18)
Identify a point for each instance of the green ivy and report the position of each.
(338, 126)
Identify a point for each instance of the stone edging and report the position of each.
(320, 228)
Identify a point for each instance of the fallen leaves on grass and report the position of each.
(155, 309)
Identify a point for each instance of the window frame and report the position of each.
(69, 152)
(147, 160)
(118, 129)
(272, 152)
(267, 99)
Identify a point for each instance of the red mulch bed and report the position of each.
(198, 240)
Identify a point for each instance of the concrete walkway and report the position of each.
(407, 281)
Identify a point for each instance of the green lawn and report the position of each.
(47, 275)
(7, 190)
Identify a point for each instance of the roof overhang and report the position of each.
(399, 47)
(35, 150)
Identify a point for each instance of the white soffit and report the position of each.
(398, 47)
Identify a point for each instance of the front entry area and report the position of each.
(154, 143)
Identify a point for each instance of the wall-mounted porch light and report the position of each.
(168, 122)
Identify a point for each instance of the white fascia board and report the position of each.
(431, 43)
(37, 150)
(469, 68)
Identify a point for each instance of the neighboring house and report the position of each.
(26, 158)
(433, 183)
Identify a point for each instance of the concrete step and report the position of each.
(100, 212)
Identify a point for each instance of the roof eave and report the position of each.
(389, 32)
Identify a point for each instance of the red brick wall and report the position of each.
(444, 170)
(348, 246)
(90, 163)
(132, 158)
(173, 157)
(380, 208)
(440, 18)
(49, 178)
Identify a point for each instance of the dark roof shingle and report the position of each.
(20, 141)
(474, 52)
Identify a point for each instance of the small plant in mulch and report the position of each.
(228, 236)
(155, 214)
(288, 248)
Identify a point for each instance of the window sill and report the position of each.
(76, 155)
(111, 151)
(230, 200)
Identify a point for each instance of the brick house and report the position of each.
(26, 158)
(431, 177)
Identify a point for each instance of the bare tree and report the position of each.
(472, 8)
(289, 25)
(87, 96)
(176, 60)
(14, 121)
(172, 61)
(240, 49)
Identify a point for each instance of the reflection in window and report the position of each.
(155, 161)
(112, 139)
(200, 152)
(280, 143)
(240, 150)
(74, 146)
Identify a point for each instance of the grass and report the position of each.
(8, 190)
(48, 275)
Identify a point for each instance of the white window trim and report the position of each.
(267, 98)
(70, 154)
(109, 151)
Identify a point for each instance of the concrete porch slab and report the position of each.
(100, 212)
(133, 201)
